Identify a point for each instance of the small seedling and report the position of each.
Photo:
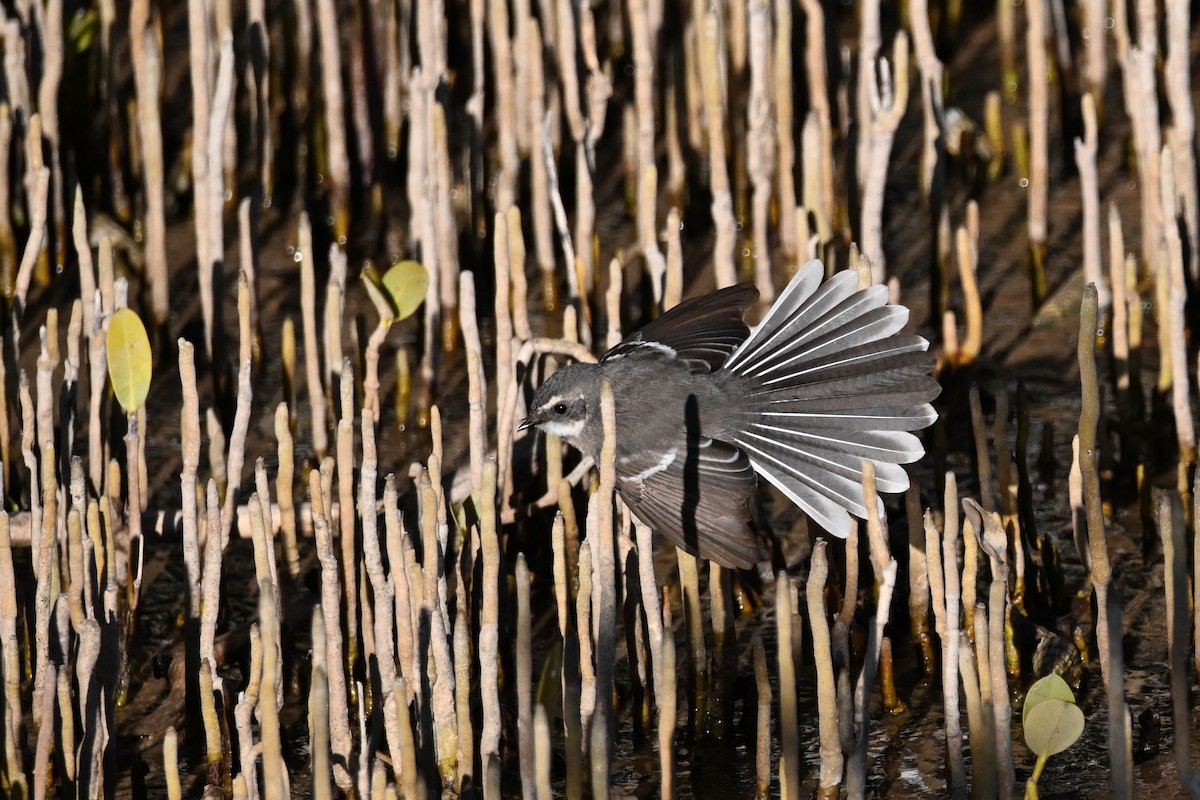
(1053, 722)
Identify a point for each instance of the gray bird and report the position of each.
(825, 381)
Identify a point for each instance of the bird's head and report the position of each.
(567, 404)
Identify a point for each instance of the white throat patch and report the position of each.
(563, 430)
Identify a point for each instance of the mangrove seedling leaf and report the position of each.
(1051, 687)
(81, 31)
(406, 283)
(1052, 726)
(130, 362)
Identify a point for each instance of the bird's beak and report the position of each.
(527, 423)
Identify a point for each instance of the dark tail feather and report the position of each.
(836, 383)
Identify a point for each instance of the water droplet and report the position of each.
(1023, 183)
(297, 256)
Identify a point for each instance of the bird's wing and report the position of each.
(701, 332)
(698, 496)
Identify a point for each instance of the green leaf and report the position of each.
(82, 29)
(406, 283)
(1052, 726)
(1051, 687)
(130, 362)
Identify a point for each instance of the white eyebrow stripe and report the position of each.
(663, 463)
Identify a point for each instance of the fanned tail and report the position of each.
(835, 383)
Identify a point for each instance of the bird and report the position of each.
(704, 406)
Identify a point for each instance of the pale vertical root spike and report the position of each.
(667, 703)
(1109, 627)
(832, 759)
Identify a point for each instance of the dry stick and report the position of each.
(489, 621)
(200, 70)
(649, 589)
(856, 766)
(951, 639)
(244, 714)
(585, 129)
(605, 585)
(45, 734)
(1089, 188)
(1039, 122)
(666, 705)
(502, 314)
(190, 450)
(530, 53)
(994, 541)
(790, 755)
(335, 305)
(1095, 57)
(406, 781)
(398, 582)
(918, 578)
(933, 130)
(762, 725)
(222, 106)
(689, 585)
(1120, 313)
(647, 195)
(1182, 133)
(524, 659)
(476, 380)
(147, 71)
(33, 245)
(45, 563)
(816, 68)
(14, 742)
(335, 131)
(339, 720)
(544, 753)
(8, 246)
(840, 638)
(171, 764)
(780, 53)
(211, 588)
(284, 486)
(506, 112)
(886, 112)
(237, 450)
(708, 29)
(1195, 560)
(447, 231)
(312, 354)
(318, 715)
(1108, 619)
(760, 143)
(583, 622)
(612, 304)
(870, 42)
(1175, 322)
(348, 545)
(827, 717)
(1169, 517)
(517, 253)
(208, 715)
(382, 588)
(1138, 65)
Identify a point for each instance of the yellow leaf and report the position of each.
(406, 283)
(130, 362)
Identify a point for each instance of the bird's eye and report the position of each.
(560, 408)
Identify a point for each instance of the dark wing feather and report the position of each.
(702, 332)
(698, 497)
